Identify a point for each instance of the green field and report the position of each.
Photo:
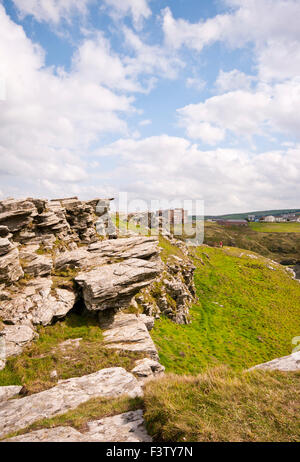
(275, 227)
(247, 314)
(273, 240)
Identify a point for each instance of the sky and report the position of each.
(163, 99)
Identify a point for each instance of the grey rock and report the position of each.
(286, 363)
(15, 338)
(78, 258)
(68, 394)
(126, 428)
(147, 368)
(16, 214)
(36, 265)
(50, 435)
(5, 246)
(128, 332)
(9, 392)
(147, 320)
(10, 268)
(36, 303)
(114, 285)
(133, 247)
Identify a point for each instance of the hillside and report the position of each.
(247, 313)
(258, 213)
(91, 318)
(268, 241)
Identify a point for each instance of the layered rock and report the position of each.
(68, 394)
(10, 268)
(36, 302)
(113, 286)
(172, 292)
(128, 332)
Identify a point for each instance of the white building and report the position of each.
(269, 219)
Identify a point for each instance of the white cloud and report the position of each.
(266, 111)
(145, 122)
(233, 80)
(150, 59)
(196, 83)
(138, 9)
(53, 116)
(165, 167)
(271, 25)
(51, 10)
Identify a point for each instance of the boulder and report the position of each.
(128, 332)
(147, 368)
(114, 285)
(68, 394)
(286, 363)
(15, 338)
(9, 392)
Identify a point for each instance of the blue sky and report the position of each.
(174, 99)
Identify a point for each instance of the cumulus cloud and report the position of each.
(265, 23)
(52, 11)
(135, 72)
(49, 118)
(150, 59)
(196, 83)
(138, 9)
(165, 167)
(265, 111)
(233, 80)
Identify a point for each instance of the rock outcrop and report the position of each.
(171, 293)
(129, 332)
(128, 428)
(113, 286)
(9, 392)
(286, 363)
(68, 394)
(147, 369)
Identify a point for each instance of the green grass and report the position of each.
(275, 227)
(32, 368)
(279, 245)
(247, 314)
(221, 405)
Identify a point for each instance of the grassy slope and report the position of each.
(247, 314)
(224, 406)
(276, 245)
(33, 367)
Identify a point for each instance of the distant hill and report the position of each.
(259, 213)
